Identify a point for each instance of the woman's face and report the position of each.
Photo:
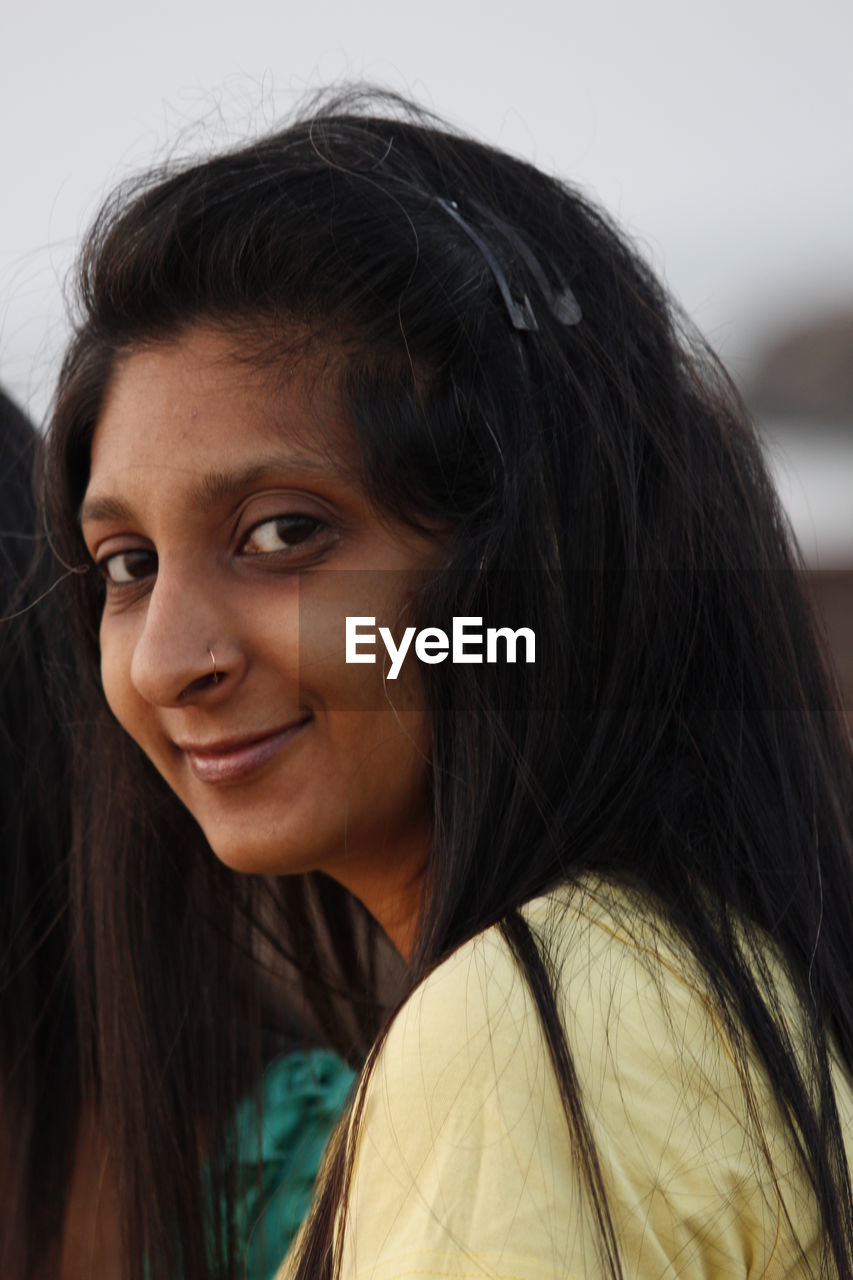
(228, 529)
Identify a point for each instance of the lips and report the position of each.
(236, 758)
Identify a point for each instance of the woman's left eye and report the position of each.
(282, 533)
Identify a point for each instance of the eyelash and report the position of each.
(139, 554)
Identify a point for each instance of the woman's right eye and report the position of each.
(126, 568)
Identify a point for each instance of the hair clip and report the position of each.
(563, 304)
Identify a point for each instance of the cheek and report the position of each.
(116, 654)
(383, 765)
(364, 684)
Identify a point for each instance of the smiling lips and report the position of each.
(235, 758)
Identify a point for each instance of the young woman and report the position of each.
(363, 374)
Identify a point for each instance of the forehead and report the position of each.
(199, 402)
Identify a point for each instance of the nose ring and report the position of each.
(213, 660)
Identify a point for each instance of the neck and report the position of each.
(391, 891)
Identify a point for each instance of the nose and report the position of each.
(185, 650)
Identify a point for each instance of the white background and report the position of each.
(719, 133)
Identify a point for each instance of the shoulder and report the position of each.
(624, 984)
(464, 1154)
(460, 1158)
(473, 1013)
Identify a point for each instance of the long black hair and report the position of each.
(39, 1091)
(515, 374)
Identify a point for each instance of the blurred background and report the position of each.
(718, 133)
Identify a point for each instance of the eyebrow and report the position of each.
(217, 486)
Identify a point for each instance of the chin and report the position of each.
(248, 863)
(247, 858)
(255, 854)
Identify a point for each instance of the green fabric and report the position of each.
(301, 1097)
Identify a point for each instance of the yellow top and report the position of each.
(464, 1165)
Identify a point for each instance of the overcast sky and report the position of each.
(719, 133)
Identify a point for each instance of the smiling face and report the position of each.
(228, 531)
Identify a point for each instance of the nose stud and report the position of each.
(213, 660)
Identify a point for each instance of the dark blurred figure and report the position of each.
(39, 1092)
